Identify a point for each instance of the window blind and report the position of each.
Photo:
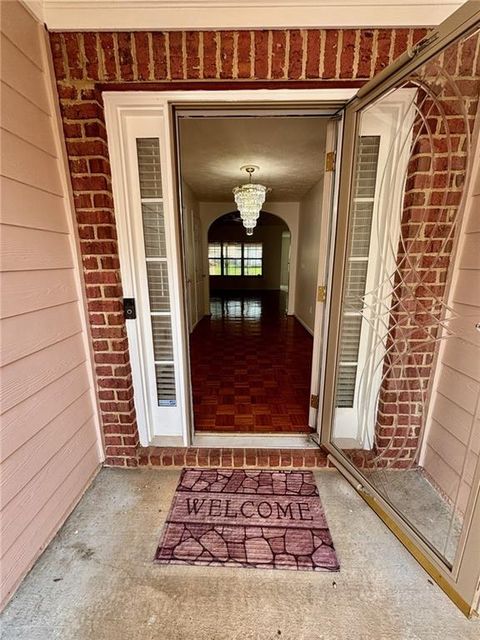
(150, 178)
(364, 185)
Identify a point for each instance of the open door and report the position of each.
(401, 400)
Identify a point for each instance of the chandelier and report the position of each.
(249, 199)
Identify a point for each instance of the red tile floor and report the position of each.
(251, 366)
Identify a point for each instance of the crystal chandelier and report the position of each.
(249, 199)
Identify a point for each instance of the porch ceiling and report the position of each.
(79, 15)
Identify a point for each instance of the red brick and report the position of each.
(192, 43)
(365, 54)
(159, 55)
(313, 53)
(209, 54)
(295, 54)
(261, 54)
(74, 59)
(400, 42)
(91, 55)
(176, 55)
(125, 56)
(384, 41)
(279, 42)
(142, 55)
(347, 55)
(331, 50)
(226, 54)
(56, 45)
(243, 54)
(107, 45)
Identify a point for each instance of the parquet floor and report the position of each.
(251, 366)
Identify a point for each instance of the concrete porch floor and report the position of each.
(96, 580)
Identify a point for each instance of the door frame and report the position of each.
(120, 106)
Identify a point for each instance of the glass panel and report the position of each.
(148, 151)
(154, 230)
(162, 338)
(252, 267)
(232, 267)
(150, 178)
(165, 374)
(158, 289)
(215, 258)
(252, 250)
(232, 250)
(405, 360)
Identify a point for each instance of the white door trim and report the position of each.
(138, 105)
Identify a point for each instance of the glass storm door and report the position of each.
(403, 352)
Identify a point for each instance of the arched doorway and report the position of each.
(260, 262)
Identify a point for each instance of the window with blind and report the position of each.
(149, 169)
(356, 268)
(235, 258)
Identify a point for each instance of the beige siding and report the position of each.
(49, 439)
(452, 442)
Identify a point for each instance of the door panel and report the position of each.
(394, 321)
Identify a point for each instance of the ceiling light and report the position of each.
(249, 199)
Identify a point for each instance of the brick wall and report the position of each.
(86, 63)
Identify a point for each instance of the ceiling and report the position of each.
(289, 151)
(78, 15)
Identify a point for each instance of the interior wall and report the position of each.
(285, 261)
(310, 217)
(451, 445)
(287, 211)
(50, 440)
(193, 256)
(271, 238)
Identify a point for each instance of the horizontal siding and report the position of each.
(22, 466)
(20, 73)
(24, 205)
(33, 249)
(49, 442)
(27, 418)
(25, 291)
(31, 542)
(24, 162)
(26, 120)
(41, 329)
(452, 442)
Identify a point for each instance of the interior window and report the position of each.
(215, 258)
(252, 259)
(235, 259)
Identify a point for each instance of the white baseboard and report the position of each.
(304, 324)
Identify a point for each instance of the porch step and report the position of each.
(219, 457)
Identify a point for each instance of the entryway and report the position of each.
(383, 375)
(251, 292)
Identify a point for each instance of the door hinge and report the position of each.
(330, 161)
(322, 293)
(314, 401)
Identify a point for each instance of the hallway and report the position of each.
(251, 366)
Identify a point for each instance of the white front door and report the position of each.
(140, 131)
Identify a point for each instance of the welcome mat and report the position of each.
(236, 517)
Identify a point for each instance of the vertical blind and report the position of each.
(149, 169)
(356, 268)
